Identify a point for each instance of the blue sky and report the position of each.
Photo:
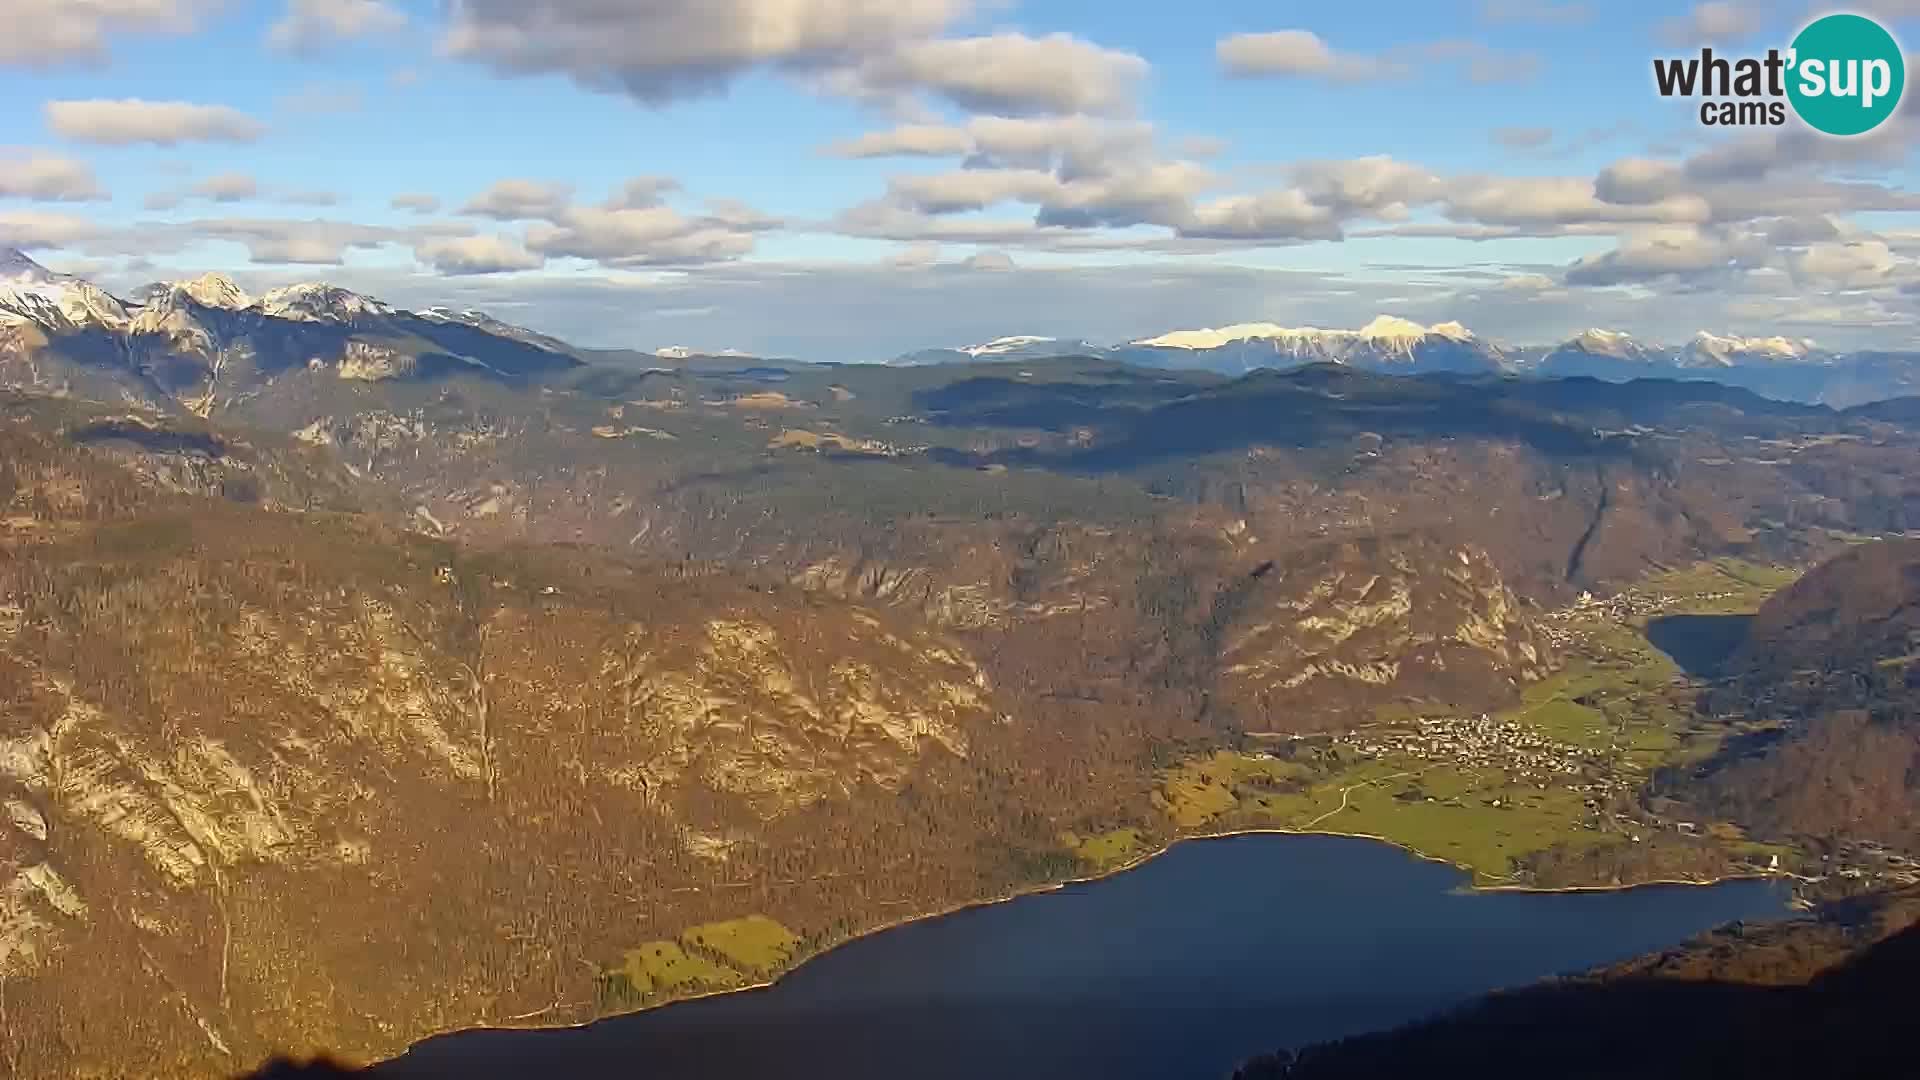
(848, 179)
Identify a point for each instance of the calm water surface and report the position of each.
(1218, 950)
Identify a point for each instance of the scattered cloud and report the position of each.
(520, 200)
(1303, 54)
(417, 202)
(1671, 251)
(1007, 74)
(996, 261)
(229, 187)
(45, 177)
(313, 24)
(664, 50)
(32, 229)
(49, 33)
(1298, 54)
(159, 123)
(476, 255)
(314, 242)
(1855, 264)
(642, 192)
(907, 140)
(653, 236)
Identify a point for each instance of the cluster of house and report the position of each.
(1568, 625)
(1483, 742)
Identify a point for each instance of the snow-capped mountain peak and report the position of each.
(1615, 343)
(216, 291)
(1387, 340)
(1725, 350)
(17, 267)
(1001, 345)
(320, 302)
(688, 352)
(30, 292)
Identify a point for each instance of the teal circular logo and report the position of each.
(1846, 74)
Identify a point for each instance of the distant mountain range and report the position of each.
(1784, 368)
(206, 340)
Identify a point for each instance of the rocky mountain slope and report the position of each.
(1834, 663)
(238, 730)
(562, 660)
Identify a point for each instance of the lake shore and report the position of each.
(1472, 885)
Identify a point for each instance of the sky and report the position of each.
(853, 179)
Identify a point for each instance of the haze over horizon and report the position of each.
(842, 180)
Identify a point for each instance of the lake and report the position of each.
(1217, 950)
(1700, 644)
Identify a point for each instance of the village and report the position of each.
(1485, 742)
(1570, 625)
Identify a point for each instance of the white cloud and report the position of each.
(1854, 264)
(228, 187)
(1287, 214)
(48, 33)
(1303, 54)
(973, 189)
(159, 123)
(1299, 54)
(642, 192)
(309, 24)
(418, 202)
(907, 140)
(224, 188)
(32, 229)
(1559, 201)
(520, 200)
(1671, 251)
(278, 240)
(1376, 185)
(47, 178)
(1638, 181)
(996, 261)
(1527, 283)
(476, 255)
(1008, 74)
(657, 236)
(1075, 145)
(660, 50)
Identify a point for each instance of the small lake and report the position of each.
(1217, 950)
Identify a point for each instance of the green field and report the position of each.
(1618, 701)
(1108, 850)
(663, 966)
(754, 943)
